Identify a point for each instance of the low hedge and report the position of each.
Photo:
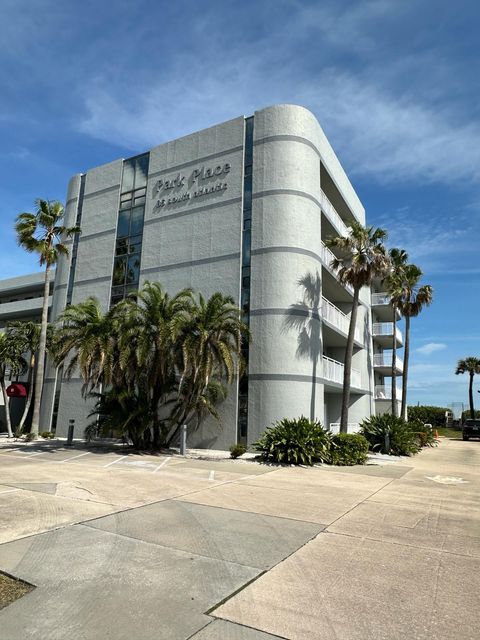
(348, 449)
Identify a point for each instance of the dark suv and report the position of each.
(471, 429)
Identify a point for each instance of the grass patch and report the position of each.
(449, 433)
(12, 589)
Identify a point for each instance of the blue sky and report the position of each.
(394, 84)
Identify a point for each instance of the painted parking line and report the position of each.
(211, 476)
(162, 464)
(80, 455)
(9, 491)
(114, 461)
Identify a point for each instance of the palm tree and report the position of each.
(363, 258)
(470, 365)
(209, 351)
(42, 232)
(11, 359)
(153, 324)
(411, 302)
(27, 335)
(394, 282)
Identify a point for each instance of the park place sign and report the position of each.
(201, 182)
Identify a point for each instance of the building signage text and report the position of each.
(198, 184)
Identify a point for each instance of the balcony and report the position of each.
(383, 334)
(22, 309)
(327, 257)
(334, 316)
(333, 370)
(383, 364)
(382, 305)
(383, 392)
(333, 215)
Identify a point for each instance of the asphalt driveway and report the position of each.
(148, 547)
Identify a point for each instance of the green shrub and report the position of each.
(389, 434)
(18, 433)
(427, 415)
(48, 435)
(348, 449)
(425, 435)
(295, 441)
(237, 450)
(29, 437)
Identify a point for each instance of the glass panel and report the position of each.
(137, 221)
(123, 223)
(128, 175)
(247, 241)
(141, 171)
(139, 200)
(246, 282)
(247, 198)
(122, 247)
(117, 291)
(135, 247)
(133, 271)
(119, 268)
(247, 224)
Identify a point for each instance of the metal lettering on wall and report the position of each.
(197, 185)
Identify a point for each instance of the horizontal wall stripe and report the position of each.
(188, 212)
(191, 263)
(288, 138)
(192, 163)
(277, 311)
(91, 280)
(99, 192)
(70, 200)
(284, 249)
(97, 234)
(64, 285)
(287, 192)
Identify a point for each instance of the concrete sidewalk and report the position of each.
(151, 547)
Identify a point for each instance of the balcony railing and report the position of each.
(335, 316)
(381, 299)
(327, 257)
(333, 215)
(385, 360)
(352, 427)
(385, 393)
(386, 329)
(333, 370)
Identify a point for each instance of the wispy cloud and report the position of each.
(431, 347)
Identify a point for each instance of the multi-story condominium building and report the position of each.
(244, 208)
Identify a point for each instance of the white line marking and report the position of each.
(162, 464)
(211, 476)
(72, 458)
(114, 462)
(39, 453)
(9, 491)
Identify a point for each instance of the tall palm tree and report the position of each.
(42, 232)
(27, 336)
(411, 302)
(363, 258)
(470, 365)
(394, 283)
(153, 324)
(11, 359)
(209, 352)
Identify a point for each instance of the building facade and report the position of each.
(244, 208)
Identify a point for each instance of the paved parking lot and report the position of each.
(123, 545)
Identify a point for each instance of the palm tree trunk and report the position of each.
(41, 355)
(28, 403)
(470, 396)
(394, 363)
(6, 401)
(347, 367)
(405, 368)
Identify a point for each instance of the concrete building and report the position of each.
(244, 208)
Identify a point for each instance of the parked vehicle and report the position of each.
(471, 429)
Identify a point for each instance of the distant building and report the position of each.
(244, 208)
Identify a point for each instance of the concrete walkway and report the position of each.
(149, 547)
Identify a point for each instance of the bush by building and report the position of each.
(394, 436)
(348, 449)
(428, 415)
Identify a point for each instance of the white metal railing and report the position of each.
(336, 317)
(333, 215)
(386, 329)
(385, 393)
(385, 360)
(333, 370)
(327, 257)
(381, 298)
(352, 427)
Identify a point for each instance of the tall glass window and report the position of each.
(245, 283)
(128, 246)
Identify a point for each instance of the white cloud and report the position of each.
(431, 347)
